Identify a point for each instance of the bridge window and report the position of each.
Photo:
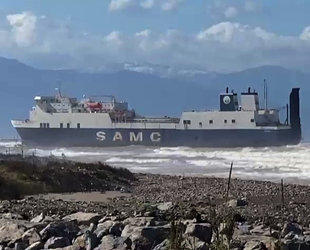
(233, 121)
(210, 121)
(252, 120)
(200, 124)
(225, 121)
(68, 125)
(78, 125)
(188, 122)
(61, 125)
(47, 125)
(41, 125)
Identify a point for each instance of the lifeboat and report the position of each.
(94, 105)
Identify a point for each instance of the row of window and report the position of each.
(188, 122)
(47, 125)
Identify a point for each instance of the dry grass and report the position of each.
(19, 178)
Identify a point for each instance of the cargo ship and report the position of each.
(102, 121)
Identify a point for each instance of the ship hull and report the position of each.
(56, 137)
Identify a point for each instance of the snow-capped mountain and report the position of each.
(147, 68)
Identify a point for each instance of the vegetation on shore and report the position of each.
(22, 177)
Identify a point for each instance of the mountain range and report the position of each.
(149, 91)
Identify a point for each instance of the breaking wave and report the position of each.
(291, 163)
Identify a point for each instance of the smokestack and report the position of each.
(249, 90)
(226, 89)
(295, 114)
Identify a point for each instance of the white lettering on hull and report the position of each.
(100, 136)
(154, 136)
(117, 136)
(133, 136)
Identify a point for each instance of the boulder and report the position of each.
(31, 236)
(38, 218)
(11, 231)
(165, 206)
(36, 246)
(202, 231)
(116, 229)
(83, 218)
(140, 221)
(68, 229)
(12, 216)
(143, 236)
(290, 227)
(237, 203)
(103, 229)
(110, 242)
(56, 242)
(162, 246)
(195, 243)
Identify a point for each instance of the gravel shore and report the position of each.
(161, 212)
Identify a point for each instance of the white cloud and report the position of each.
(305, 35)
(250, 6)
(165, 5)
(231, 12)
(147, 4)
(23, 28)
(116, 5)
(169, 5)
(144, 33)
(223, 47)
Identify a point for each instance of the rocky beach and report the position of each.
(144, 211)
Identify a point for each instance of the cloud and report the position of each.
(23, 28)
(165, 5)
(169, 5)
(223, 9)
(305, 35)
(250, 6)
(223, 47)
(231, 12)
(116, 5)
(147, 4)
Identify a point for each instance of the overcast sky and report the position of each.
(215, 35)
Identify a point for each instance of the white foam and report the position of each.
(139, 161)
(10, 144)
(255, 163)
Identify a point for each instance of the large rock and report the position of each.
(140, 221)
(38, 218)
(146, 235)
(31, 236)
(103, 228)
(237, 203)
(195, 243)
(11, 231)
(116, 229)
(83, 218)
(11, 216)
(202, 231)
(36, 246)
(56, 242)
(291, 227)
(165, 206)
(258, 242)
(68, 229)
(110, 242)
(296, 245)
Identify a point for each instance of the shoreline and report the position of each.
(143, 211)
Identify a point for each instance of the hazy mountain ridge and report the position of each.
(149, 94)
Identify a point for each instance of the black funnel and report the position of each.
(295, 114)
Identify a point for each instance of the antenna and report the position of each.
(58, 89)
(265, 93)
